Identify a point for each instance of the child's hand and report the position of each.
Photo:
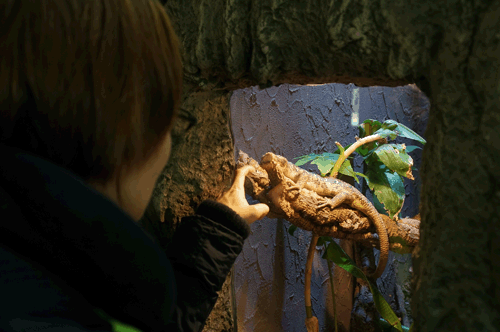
(235, 198)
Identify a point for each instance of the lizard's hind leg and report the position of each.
(335, 201)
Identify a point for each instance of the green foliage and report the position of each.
(333, 252)
(387, 164)
(305, 159)
(395, 158)
(117, 326)
(386, 133)
(410, 148)
(374, 125)
(325, 163)
(388, 189)
(389, 128)
(386, 327)
(403, 131)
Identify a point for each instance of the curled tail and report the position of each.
(383, 240)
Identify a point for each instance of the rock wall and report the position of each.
(200, 167)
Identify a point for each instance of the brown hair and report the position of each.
(92, 86)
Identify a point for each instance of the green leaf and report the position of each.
(305, 159)
(292, 229)
(361, 174)
(362, 151)
(392, 197)
(369, 153)
(116, 324)
(404, 131)
(396, 159)
(386, 327)
(346, 169)
(390, 124)
(362, 132)
(342, 149)
(379, 206)
(410, 148)
(345, 148)
(335, 253)
(372, 162)
(375, 124)
(386, 133)
(122, 327)
(325, 163)
(310, 157)
(375, 173)
(388, 188)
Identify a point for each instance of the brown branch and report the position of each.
(307, 291)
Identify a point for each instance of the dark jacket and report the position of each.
(67, 252)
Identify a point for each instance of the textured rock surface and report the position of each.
(244, 42)
(201, 166)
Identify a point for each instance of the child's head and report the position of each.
(92, 86)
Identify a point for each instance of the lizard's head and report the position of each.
(267, 158)
(272, 160)
(274, 166)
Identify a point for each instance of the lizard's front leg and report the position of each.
(335, 201)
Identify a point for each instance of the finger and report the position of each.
(239, 181)
(259, 211)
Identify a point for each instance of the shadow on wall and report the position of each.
(294, 120)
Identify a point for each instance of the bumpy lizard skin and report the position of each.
(279, 168)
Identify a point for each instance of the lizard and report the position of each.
(279, 168)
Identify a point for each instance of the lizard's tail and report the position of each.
(384, 247)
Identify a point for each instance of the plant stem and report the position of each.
(368, 132)
(307, 290)
(352, 148)
(333, 292)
